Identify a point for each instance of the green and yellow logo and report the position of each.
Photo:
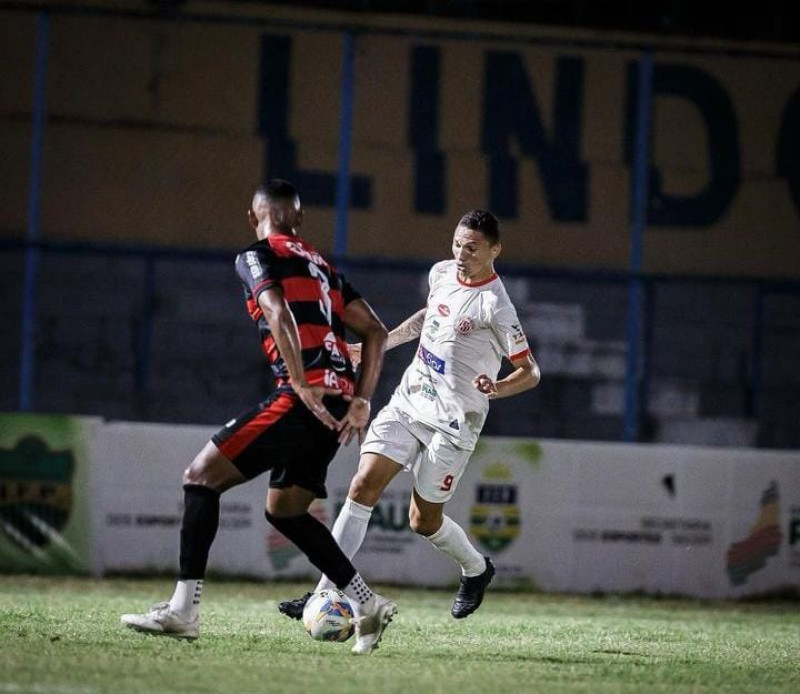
(495, 515)
(35, 493)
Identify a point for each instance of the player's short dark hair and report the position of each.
(277, 189)
(483, 221)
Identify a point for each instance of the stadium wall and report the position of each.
(143, 336)
(158, 127)
(555, 516)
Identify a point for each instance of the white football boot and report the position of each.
(370, 627)
(162, 621)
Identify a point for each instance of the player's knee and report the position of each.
(363, 491)
(210, 469)
(191, 475)
(421, 524)
(198, 471)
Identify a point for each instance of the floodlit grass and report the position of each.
(63, 636)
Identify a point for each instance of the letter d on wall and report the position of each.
(724, 158)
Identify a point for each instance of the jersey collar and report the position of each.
(280, 237)
(491, 278)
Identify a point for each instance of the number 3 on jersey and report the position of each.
(325, 302)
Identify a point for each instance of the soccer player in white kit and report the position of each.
(432, 422)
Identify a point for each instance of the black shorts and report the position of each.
(283, 436)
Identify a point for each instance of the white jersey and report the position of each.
(468, 329)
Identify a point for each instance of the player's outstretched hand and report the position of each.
(355, 353)
(312, 399)
(355, 421)
(485, 385)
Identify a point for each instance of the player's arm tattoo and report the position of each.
(409, 329)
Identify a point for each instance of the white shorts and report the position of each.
(437, 464)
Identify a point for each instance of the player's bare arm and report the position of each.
(526, 375)
(410, 329)
(362, 320)
(284, 331)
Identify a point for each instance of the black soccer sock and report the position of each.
(198, 530)
(317, 543)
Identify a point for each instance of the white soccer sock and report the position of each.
(362, 599)
(452, 540)
(349, 531)
(186, 599)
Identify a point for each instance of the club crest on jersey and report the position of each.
(443, 309)
(431, 360)
(465, 325)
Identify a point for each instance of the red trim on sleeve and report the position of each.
(523, 353)
(263, 286)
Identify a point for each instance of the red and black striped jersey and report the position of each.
(317, 295)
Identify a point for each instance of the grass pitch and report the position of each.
(63, 636)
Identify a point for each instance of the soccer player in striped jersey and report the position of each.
(432, 423)
(301, 305)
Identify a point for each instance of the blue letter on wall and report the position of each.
(511, 112)
(711, 99)
(316, 187)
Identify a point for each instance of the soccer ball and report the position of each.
(327, 616)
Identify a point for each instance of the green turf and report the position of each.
(63, 636)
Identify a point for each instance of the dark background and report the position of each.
(769, 20)
(145, 112)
